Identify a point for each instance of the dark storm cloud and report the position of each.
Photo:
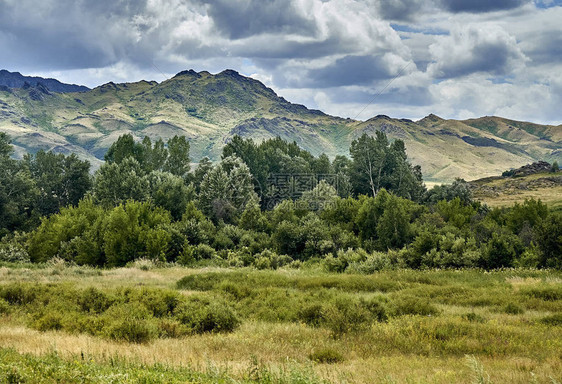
(410, 95)
(402, 10)
(472, 49)
(479, 6)
(492, 58)
(253, 17)
(350, 70)
(65, 34)
(544, 47)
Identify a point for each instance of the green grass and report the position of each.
(51, 368)
(409, 326)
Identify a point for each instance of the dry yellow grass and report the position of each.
(367, 358)
(278, 345)
(550, 196)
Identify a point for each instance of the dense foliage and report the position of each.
(145, 203)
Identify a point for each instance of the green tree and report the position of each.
(378, 164)
(135, 230)
(549, 240)
(204, 166)
(393, 227)
(369, 157)
(226, 189)
(178, 162)
(459, 188)
(319, 198)
(126, 147)
(170, 192)
(17, 191)
(61, 180)
(76, 229)
(117, 182)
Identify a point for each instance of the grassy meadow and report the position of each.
(167, 324)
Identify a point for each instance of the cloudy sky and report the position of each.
(403, 58)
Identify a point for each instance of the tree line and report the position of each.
(146, 202)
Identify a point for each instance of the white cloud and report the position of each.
(494, 57)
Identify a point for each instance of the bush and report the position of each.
(270, 260)
(544, 293)
(49, 321)
(555, 320)
(375, 262)
(202, 316)
(312, 315)
(473, 317)
(410, 305)
(13, 251)
(17, 294)
(326, 356)
(204, 252)
(513, 309)
(351, 315)
(343, 259)
(4, 307)
(94, 301)
(129, 322)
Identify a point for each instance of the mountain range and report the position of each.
(211, 108)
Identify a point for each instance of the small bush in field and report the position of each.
(312, 315)
(131, 330)
(238, 291)
(51, 320)
(513, 309)
(93, 300)
(409, 305)
(130, 322)
(553, 293)
(202, 316)
(347, 315)
(473, 317)
(326, 356)
(4, 307)
(17, 294)
(171, 328)
(203, 252)
(555, 320)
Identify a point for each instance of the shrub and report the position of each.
(236, 290)
(473, 317)
(513, 309)
(312, 315)
(93, 300)
(555, 320)
(351, 315)
(200, 282)
(343, 259)
(544, 293)
(13, 251)
(202, 315)
(129, 322)
(204, 252)
(326, 356)
(377, 261)
(4, 307)
(49, 321)
(171, 328)
(17, 294)
(410, 305)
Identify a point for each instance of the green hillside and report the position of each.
(209, 109)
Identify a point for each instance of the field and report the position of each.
(504, 192)
(150, 324)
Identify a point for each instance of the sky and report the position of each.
(403, 58)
